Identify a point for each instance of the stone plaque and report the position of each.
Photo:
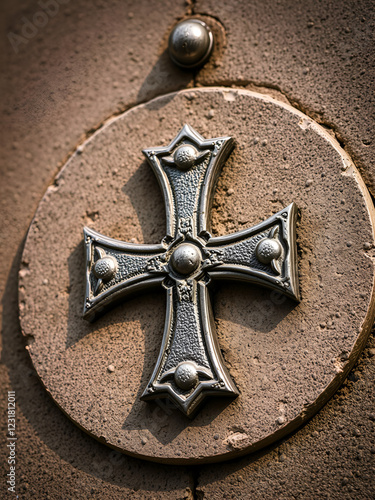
(285, 358)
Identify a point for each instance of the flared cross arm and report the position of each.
(190, 366)
(187, 171)
(116, 269)
(264, 254)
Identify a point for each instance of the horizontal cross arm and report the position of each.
(265, 254)
(115, 269)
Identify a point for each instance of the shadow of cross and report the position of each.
(190, 366)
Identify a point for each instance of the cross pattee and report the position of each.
(190, 366)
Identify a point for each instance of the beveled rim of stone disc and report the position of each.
(349, 169)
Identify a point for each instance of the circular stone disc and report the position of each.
(286, 359)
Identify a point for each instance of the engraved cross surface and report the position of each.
(190, 367)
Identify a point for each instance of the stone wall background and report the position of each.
(86, 61)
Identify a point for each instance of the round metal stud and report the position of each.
(190, 43)
(105, 268)
(267, 250)
(185, 259)
(184, 157)
(186, 375)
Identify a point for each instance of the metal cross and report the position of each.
(190, 366)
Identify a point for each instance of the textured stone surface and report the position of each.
(90, 61)
(285, 359)
(331, 457)
(51, 116)
(318, 54)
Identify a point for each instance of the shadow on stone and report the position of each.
(164, 75)
(234, 301)
(146, 198)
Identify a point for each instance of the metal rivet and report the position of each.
(267, 250)
(186, 375)
(186, 258)
(185, 157)
(105, 268)
(190, 43)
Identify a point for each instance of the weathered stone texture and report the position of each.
(93, 60)
(286, 359)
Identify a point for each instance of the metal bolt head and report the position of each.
(184, 157)
(186, 375)
(185, 259)
(190, 43)
(267, 250)
(105, 268)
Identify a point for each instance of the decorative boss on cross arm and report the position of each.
(190, 366)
